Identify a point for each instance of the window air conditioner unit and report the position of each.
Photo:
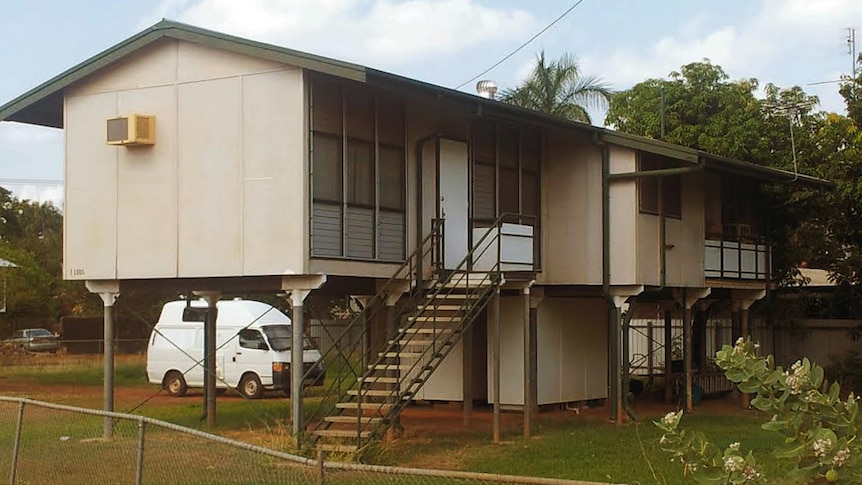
(132, 130)
(736, 232)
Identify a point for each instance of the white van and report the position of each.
(253, 342)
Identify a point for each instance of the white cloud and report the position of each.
(378, 32)
(524, 70)
(39, 193)
(16, 134)
(748, 48)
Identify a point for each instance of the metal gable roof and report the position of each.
(43, 105)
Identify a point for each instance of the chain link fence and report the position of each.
(50, 443)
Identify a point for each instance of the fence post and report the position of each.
(17, 446)
(139, 470)
(321, 471)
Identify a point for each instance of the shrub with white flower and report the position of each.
(820, 429)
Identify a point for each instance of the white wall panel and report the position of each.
(273, 154)
(446, 383)
(572, 211)
(200, 63)
(512, 353)
(147, 190)
(90, 209)
(623, 219)
(154, 65)
(210, 179)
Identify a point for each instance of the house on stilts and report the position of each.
(500, 254)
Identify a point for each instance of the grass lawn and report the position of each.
(584, 447)
(597, 451)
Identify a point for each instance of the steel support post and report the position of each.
(614, 333)
(529, 370)
(668, 356)
(467, 371)
(297, 324)
(108, 299)
(496, 344)
(744, 398)
(686, 351)
(210, 357)
(16, 447)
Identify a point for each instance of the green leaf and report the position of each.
(735, 375)
(834, 391)
(710, 476)
(789, 450)
(776, 425)
(816, 376)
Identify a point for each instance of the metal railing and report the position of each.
(737, 260)
(472, 287)
(43, 442)
(348, 355)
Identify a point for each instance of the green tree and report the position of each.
(560, 89)
(700, 107)
(697, 107)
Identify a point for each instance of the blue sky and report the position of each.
(446, 42)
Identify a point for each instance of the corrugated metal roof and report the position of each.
(43, 105)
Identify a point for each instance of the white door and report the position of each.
(454, 195)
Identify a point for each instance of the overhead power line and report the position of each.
(43, 182)
(525, 44)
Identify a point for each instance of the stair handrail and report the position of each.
(473, 307)
(470, 308)
(398, 277)
(479, 247)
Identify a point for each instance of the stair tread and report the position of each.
(378, 380)
(352, 419)
(341, 433)
(417, 342)
(340, 448)
(370, 392)
(402, 354)
(390, 366)
(443, 308)
(366, 406)
(427, 330)
(431, 318)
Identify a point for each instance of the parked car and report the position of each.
(35, 340)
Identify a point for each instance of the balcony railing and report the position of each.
(736, 260)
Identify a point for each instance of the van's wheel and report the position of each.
(175, 384)
(250, 386)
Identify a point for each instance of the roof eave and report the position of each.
(43, 105)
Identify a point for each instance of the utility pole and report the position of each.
(850, 40)
(851, 49)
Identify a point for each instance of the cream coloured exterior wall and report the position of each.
(571, 210)
(221, 193)
(571, 351)
(685, 240)
(624, 237)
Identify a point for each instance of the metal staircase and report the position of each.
(376, 381)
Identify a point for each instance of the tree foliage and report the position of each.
(700, 107)
(31, 237)
(560, 89)
(819, 427)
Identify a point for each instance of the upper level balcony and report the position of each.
(737, 254)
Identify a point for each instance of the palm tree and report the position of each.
(559, 89)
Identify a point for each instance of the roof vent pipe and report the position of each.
(486, 88)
